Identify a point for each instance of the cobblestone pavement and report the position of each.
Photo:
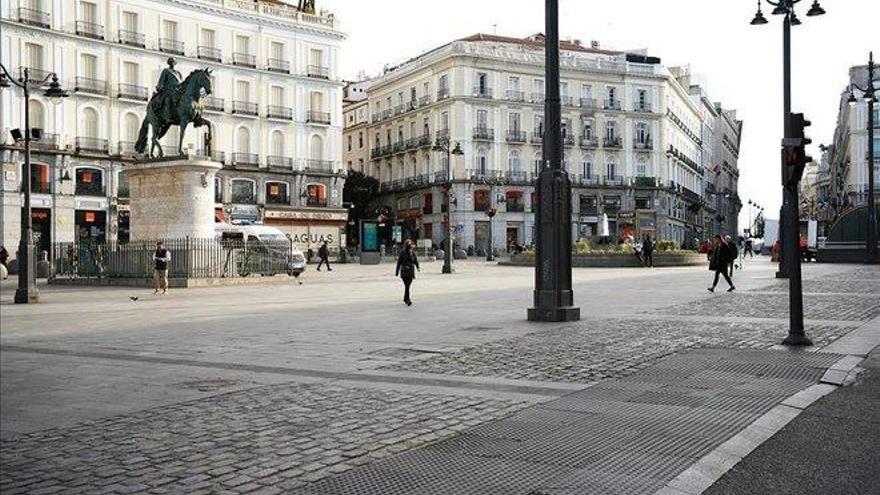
(752, 305)
(830, 286)
(261, 440)
(601, 349)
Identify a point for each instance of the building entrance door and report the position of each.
(41, 218)
(512, 237)
(91, 225)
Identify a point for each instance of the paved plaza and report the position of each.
(334, 386)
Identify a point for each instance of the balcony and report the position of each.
(88, 85)
(376, 152)
(245, 108)
(316, 117)
(399, 146)
(612, 105)
(613, 180)
(484, 134)
(217, 156)
(318, 72)
(132, 92)
(425, 100)
(442, 94)
(169, 45)
(588, 103)
(644, 106)
(588, 179)
(425, 140)
(279, 112)
(645, 145)
(442, 135)
(518, 177)
(125, 149)
(567, 140)
(244, 60)
(537, 137)
(316, 202)
(483, 175)
(278, 65)
(213, 104)
(48, 141)
(246, 160)
(34, 75)
(132, 38)
(323, 166)
(589, 142)
(282, 162)
(537, 97)
(566, 101)
(516, 136)
(89, 189)
(91, 145)
(515, 95)
(209, 53)
(33, 17)
(612, 142)
(645, 181)
(482, 92)
(89, 30)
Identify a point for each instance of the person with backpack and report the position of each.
(324, 254)
(733, 255)
(719, 262)
(407, 264)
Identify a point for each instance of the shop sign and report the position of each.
(327, 216)
(593, 219)
(92, 204)
(626, 215)
(409, 214)
(41, 202)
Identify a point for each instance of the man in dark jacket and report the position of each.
(648, 251)
(407, 264)
(719, 261)
(324, 254)
(733, 255)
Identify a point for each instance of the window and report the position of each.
(89, 182)
(426, 126)
(482, 119)
(88, 12)
(243, 90)
(514, 162)
(276, 96)
(360, 139)
(642, 167)
(444, 121)
(34, 56)
(349, 143)
(316, 147)
(611, 168)
(443, 84)
(90, 123)
(481, 200)
(513, 83)
(643, 202)
(130, 21)
(482, 161)
(539, 125)
(208, 38)
(89, 66)
(276, 50)
(36, 115)
(243, 191)
(587, 167)
(563, 89)
(169, 30)
(412, 94)
(566, 125)
(514, 121)
(539, 162)
(242, 44)
(243, 140)
(641, 133)
(515, 201)
(278, 143)
(482, 83)
(588, 129)
(642, 99)
(586, 91)
(588, 205)
(428, 204)
(130, 73)
(612, 95)
(610, 130)
(277, 193)
(539, 86)
(316, 57)
(316, 101)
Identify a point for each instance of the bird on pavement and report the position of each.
(134, 298)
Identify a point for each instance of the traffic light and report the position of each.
(794, 149)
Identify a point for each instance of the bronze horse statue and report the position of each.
(180, 108)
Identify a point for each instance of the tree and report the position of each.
(359, 192)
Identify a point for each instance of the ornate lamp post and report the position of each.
(27, 283)
(868, 91)
(490, 254)
(553, 297)
(790, 267)
(444, 145)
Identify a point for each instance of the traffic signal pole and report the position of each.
(794, 159)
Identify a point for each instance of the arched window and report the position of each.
(414, 166)
(243, 191)
(90, 127)
(427, 165)
(415, 201)
(514, 162)
(401, 204)
(316, 147)
(243, 140)
(218, 189)
(278, 144)
(587, 167)
(482, 161)
(641, 133)
(610, 130)
(36, 115)
(642, 167)
(316, 195)
(277, 193)
(611, 168)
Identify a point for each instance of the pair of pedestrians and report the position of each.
(721, 261)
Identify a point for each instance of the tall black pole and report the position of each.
(27, 284)
(871, 239)
(447, 254)
(784, 264)
(791, 259)
(553, 297)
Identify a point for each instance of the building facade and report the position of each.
(275, 111)
(356, 120)
(633, 142)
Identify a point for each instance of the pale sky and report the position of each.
(742, 64)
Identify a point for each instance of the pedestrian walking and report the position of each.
(324, 254)
(4, 256)
(749, 250)
(734, 253)
(719, 262)
(161, 258)
(407, 264)
(648, 251)
(637, 250)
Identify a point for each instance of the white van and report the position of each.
(264, 250)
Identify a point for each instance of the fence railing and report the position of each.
(190, 258)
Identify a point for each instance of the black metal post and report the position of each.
(553, 297)
(490, 255)
(447, 254)
(27, 292)
(871, 238)
(784, 211)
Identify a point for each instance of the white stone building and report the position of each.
(633, 141)
(276, 110)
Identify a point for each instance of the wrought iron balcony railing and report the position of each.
(278, 65)
(482, 92)
(125, 149)
(567, 140)
(612, 104)
(566, 100)
(589, 142)
(244, 60)
(245, 159)
(89, 29)
(537, 137)
(588, 103)
(88, 85)
(316, 117)
(245, 108)
(279, 112)
(612, 142)
(515, 95)
(34, 74)
(33, 17)
(315, 165)
(169, 45)
(588, 180)
(275, 161)
(217, 156)
(132, 92)
(213, 104)
(516, 136)
(48, 141)
(644, 106)
(645, 145)
(318, 72)
(132, 38)
(209, 53)
(537, 97)
(442, 94)
(484, 134)
(425, 100)
(614, 180)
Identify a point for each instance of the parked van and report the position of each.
(260, 249)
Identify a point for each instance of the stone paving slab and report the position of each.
(853, 285)
(632, 445)
(836, 307)
(276, 436)
(595, 350)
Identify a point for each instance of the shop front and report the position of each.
(41, 219)
(90, 219)
(626, 225)
(409, 220)
(308, 229)
(647, 224)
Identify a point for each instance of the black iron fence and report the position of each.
(190, 258)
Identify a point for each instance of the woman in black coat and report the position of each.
(407, 264)
(719, 262)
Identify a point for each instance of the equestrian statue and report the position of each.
(175, 103)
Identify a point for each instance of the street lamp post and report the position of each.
(444, 145)
(868, 91)
(27, 292)
(553, 297)
(790, 267)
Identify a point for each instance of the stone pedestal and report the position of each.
(172, 199)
